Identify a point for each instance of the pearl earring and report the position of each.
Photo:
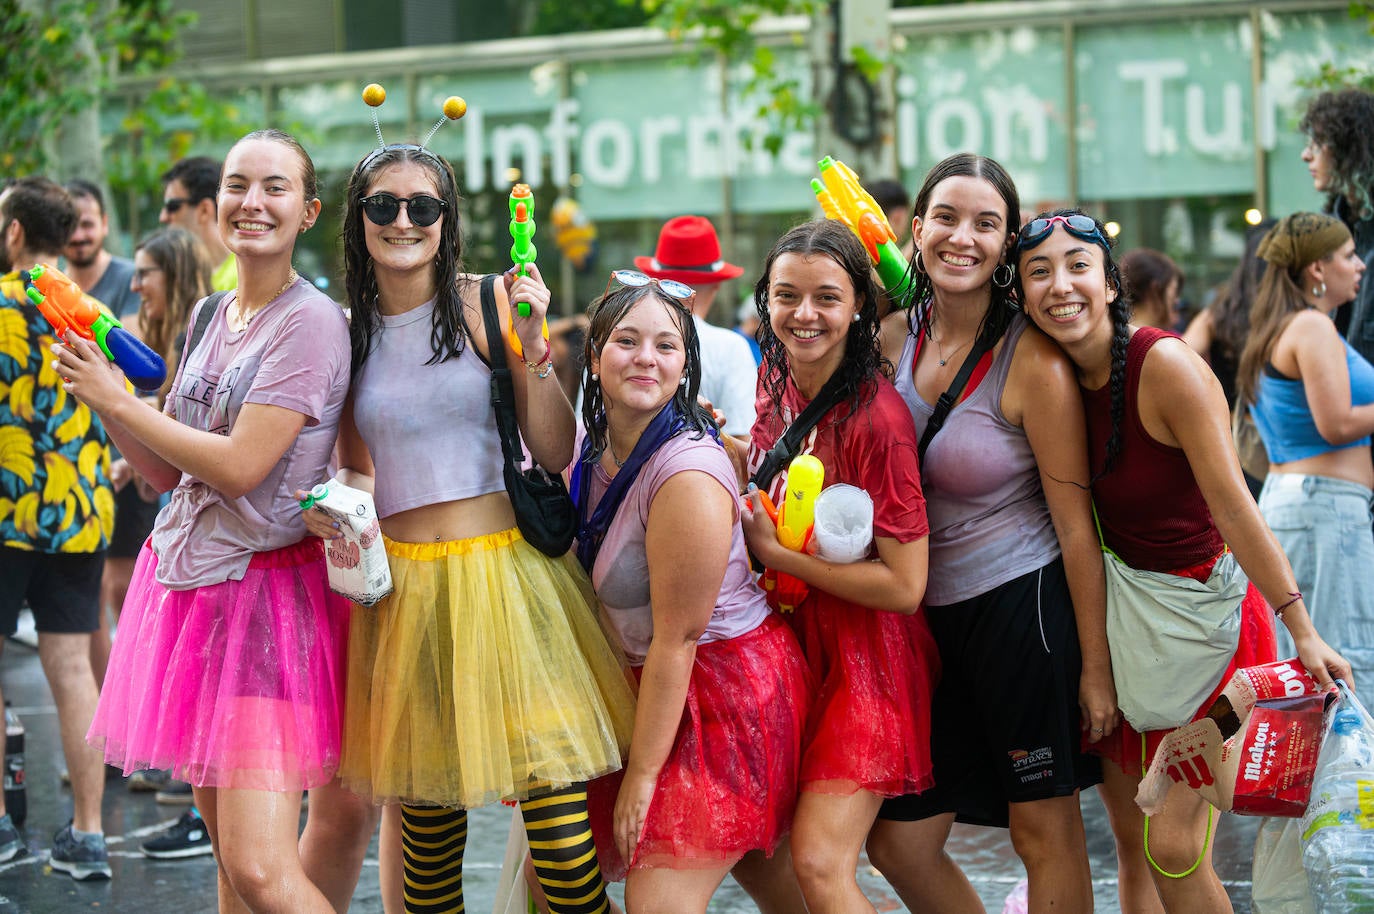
(595, 376)
(856, 317)
(682, 381)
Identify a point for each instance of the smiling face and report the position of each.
(150, 282)
(88, 238)
(811, 306)
(963, 234)
(403, 246)
(642, 361)
(1065, 287)
(262, 205)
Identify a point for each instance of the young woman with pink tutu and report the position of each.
(228, 668)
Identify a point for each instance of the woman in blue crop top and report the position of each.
(1312, 397)
(485, 675)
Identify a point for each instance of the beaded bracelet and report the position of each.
(544, 366)
(1296, 595)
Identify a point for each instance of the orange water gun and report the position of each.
(843, 198)
(68, 309)
(796, 521)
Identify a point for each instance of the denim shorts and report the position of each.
(1323, 525)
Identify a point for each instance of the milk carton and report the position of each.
(356, 560)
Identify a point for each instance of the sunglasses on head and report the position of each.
(423, 210)
(1076, 224)
(635, 279)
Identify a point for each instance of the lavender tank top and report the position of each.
(431, 429)
(989, 523)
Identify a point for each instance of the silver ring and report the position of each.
(1097, 729)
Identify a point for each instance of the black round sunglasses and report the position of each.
(424, 210)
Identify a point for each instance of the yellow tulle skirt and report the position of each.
(484, 676)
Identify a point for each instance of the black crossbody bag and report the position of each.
(544, 510)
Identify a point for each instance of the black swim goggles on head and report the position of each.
(635, 279)
(424, 210)
(1076, 224)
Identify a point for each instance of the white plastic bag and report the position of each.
(1279, 884)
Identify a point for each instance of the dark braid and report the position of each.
(1120, 311)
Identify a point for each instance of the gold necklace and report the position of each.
(244, 322)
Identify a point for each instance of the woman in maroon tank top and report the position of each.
(1159, 435)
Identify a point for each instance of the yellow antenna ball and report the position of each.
(374, 95)
(454, 107)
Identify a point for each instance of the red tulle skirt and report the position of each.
(870, 725)
(234, 685)
(729, 785)
(1257, 645)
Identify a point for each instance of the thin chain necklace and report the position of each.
(245, 322)
(614, 459)
(942, 358)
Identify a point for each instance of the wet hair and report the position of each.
(1343, 122)
(863, 359)
(607, 312)
(1280, 289)
(449, 330)
(310, 184)
(1147, 273)
(80, 187)
(1120, 313)
(198, 174)
(186, 271)
(1003, 304)
(45, 210)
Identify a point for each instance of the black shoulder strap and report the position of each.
(951, 396)
(208, 307)
(502, 388)
(790, 443)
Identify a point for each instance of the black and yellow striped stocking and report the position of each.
(432, 843)
(564, 855)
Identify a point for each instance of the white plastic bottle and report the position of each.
(1338, 827)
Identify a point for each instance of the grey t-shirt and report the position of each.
(113, 289)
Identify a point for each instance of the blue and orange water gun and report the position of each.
(843, 198)
(796, 521)
(62, 302)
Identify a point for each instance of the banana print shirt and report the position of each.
(55, 493)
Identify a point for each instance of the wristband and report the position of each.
(543, 367)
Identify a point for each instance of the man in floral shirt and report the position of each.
(56, 512)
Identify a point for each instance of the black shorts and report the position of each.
(1005, 724)
(133, 522)
(62, 589)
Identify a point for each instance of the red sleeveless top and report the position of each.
(1152, 512)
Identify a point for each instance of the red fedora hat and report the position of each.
(688, 251)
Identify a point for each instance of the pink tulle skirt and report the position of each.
(870, 726)
(235, 685)
(729, 784)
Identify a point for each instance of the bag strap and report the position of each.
(502, 388)
(203, 318)
(790, 443)
(947, 399)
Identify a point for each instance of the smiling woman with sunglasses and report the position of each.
(484, 676)
(1169, 492)
(1016, 583)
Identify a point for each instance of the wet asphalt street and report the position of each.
(142, 886)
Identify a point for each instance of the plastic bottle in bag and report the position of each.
(16, 793)
(1338, 827)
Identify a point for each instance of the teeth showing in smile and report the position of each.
(955, 260)
(1061, 311)
(252, 226)
(806, 334)
(402, 241)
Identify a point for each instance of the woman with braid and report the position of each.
(1170, 497)
(484, 676)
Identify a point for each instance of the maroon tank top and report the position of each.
(1152, 512)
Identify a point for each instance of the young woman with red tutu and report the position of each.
(861, 625)
(228, 668)
(1016, 584)
(711, 778)
(1169, 492)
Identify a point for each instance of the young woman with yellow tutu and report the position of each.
(485, 675)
